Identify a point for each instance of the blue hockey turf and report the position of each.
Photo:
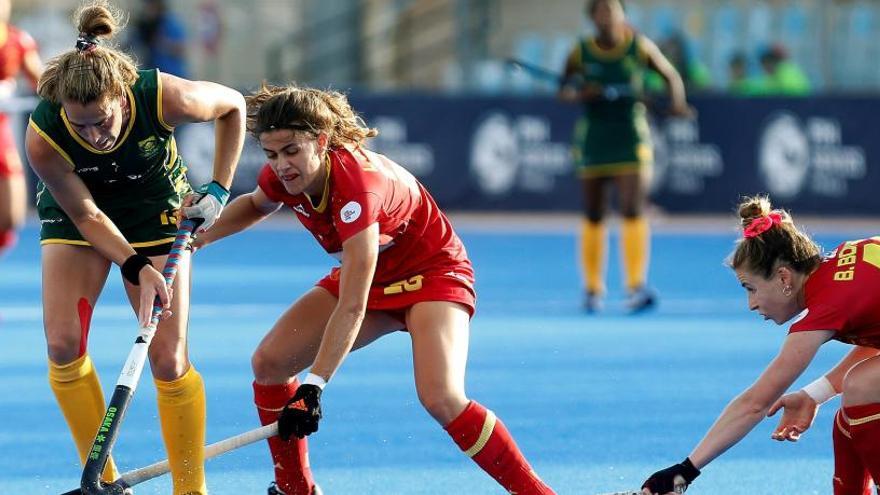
(596, 402)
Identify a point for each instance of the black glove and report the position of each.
(301, 414)
(663, 481)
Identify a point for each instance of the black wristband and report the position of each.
(132, 267)
(690, 472)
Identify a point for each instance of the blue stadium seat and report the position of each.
(559, 47)
(856, 45)
(530, 47)
(490, 76)
(759, 30)
(726, 35)
(635, 15)
(794, 32)
(665, 20)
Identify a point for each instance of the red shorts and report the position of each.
(10, 162)
(449, 284)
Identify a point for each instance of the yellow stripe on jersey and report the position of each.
(620, 168)
(76, 242)
(64, 241)
(325, 196)
(610, 54)
(159, 113)
(51, 142)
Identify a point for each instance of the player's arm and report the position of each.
(186, 101)
(743, 413)
(75, 199)
(32, 66)
(800, 407)
(570, 84)
(750, 407)
(360, 255)
(243, 212)
(658, 62)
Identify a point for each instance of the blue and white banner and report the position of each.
(817, 155)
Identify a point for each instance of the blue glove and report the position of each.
(207, 204)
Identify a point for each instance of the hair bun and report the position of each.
(98, 19)
(753, 207)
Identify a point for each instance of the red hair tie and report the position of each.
(761, 225)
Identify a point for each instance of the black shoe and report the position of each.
(593, 303)
(641, 299)
(274, 490)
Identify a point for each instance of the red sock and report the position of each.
(864, 427)
(486, 440)
(850, 475)
(7, 240)
(292, 472)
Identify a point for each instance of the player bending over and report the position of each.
(830, 298)
(402, 268)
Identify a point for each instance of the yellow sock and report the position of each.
(182, 413)
(78, 392)
(593, 240)
(635, 240)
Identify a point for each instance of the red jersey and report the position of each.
(364, 188)
(842, 294)
(15, 44)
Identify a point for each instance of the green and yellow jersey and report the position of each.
(613, 137)
(138, 184)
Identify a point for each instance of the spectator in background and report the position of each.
(18, 55)
(784, 77)
(161, 39)
(678, 50)
(740, 82)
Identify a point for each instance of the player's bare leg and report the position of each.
(73, 277)
(440, 332)
(180, 389)
(289, 348)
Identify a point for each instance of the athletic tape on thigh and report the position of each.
(84, 309)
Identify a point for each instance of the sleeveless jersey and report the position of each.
(842, 294)
(143, 166)
(619, 71)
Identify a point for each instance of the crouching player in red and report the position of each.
(829, 299)
(402, 267)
